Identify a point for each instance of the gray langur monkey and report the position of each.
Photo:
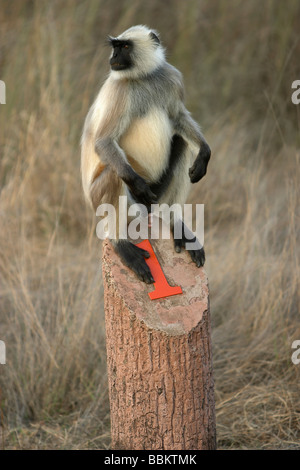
(139, 139)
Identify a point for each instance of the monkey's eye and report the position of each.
(126, 46)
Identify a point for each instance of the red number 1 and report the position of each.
(161, 286)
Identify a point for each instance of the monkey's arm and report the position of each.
(185, 125)
(112, 155)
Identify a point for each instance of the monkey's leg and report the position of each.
(107, 188)
(134, 257)
(180, 241)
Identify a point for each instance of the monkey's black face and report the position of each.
(121, 58)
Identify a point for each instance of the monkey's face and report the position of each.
(121, 56)
(136, 53)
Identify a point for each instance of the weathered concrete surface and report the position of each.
(159, 356)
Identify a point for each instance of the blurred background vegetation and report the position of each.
(239, 60)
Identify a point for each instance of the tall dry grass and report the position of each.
(239, 60)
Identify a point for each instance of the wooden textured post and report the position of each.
(159, 356)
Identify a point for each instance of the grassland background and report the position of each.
(239, 60)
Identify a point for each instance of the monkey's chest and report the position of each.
(147, 144)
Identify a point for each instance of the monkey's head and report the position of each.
(136, 53)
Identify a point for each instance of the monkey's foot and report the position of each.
(197, 255)
(134, 257)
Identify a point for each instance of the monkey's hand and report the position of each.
(141, 191)
(198, 170)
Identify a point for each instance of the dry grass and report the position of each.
(238, 79)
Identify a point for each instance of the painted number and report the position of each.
(161, 286)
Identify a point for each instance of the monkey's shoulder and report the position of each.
(169, 78)
(173, 73)
(161, 88)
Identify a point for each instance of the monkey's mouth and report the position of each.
(117, 66)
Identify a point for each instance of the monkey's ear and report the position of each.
(154, 38)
